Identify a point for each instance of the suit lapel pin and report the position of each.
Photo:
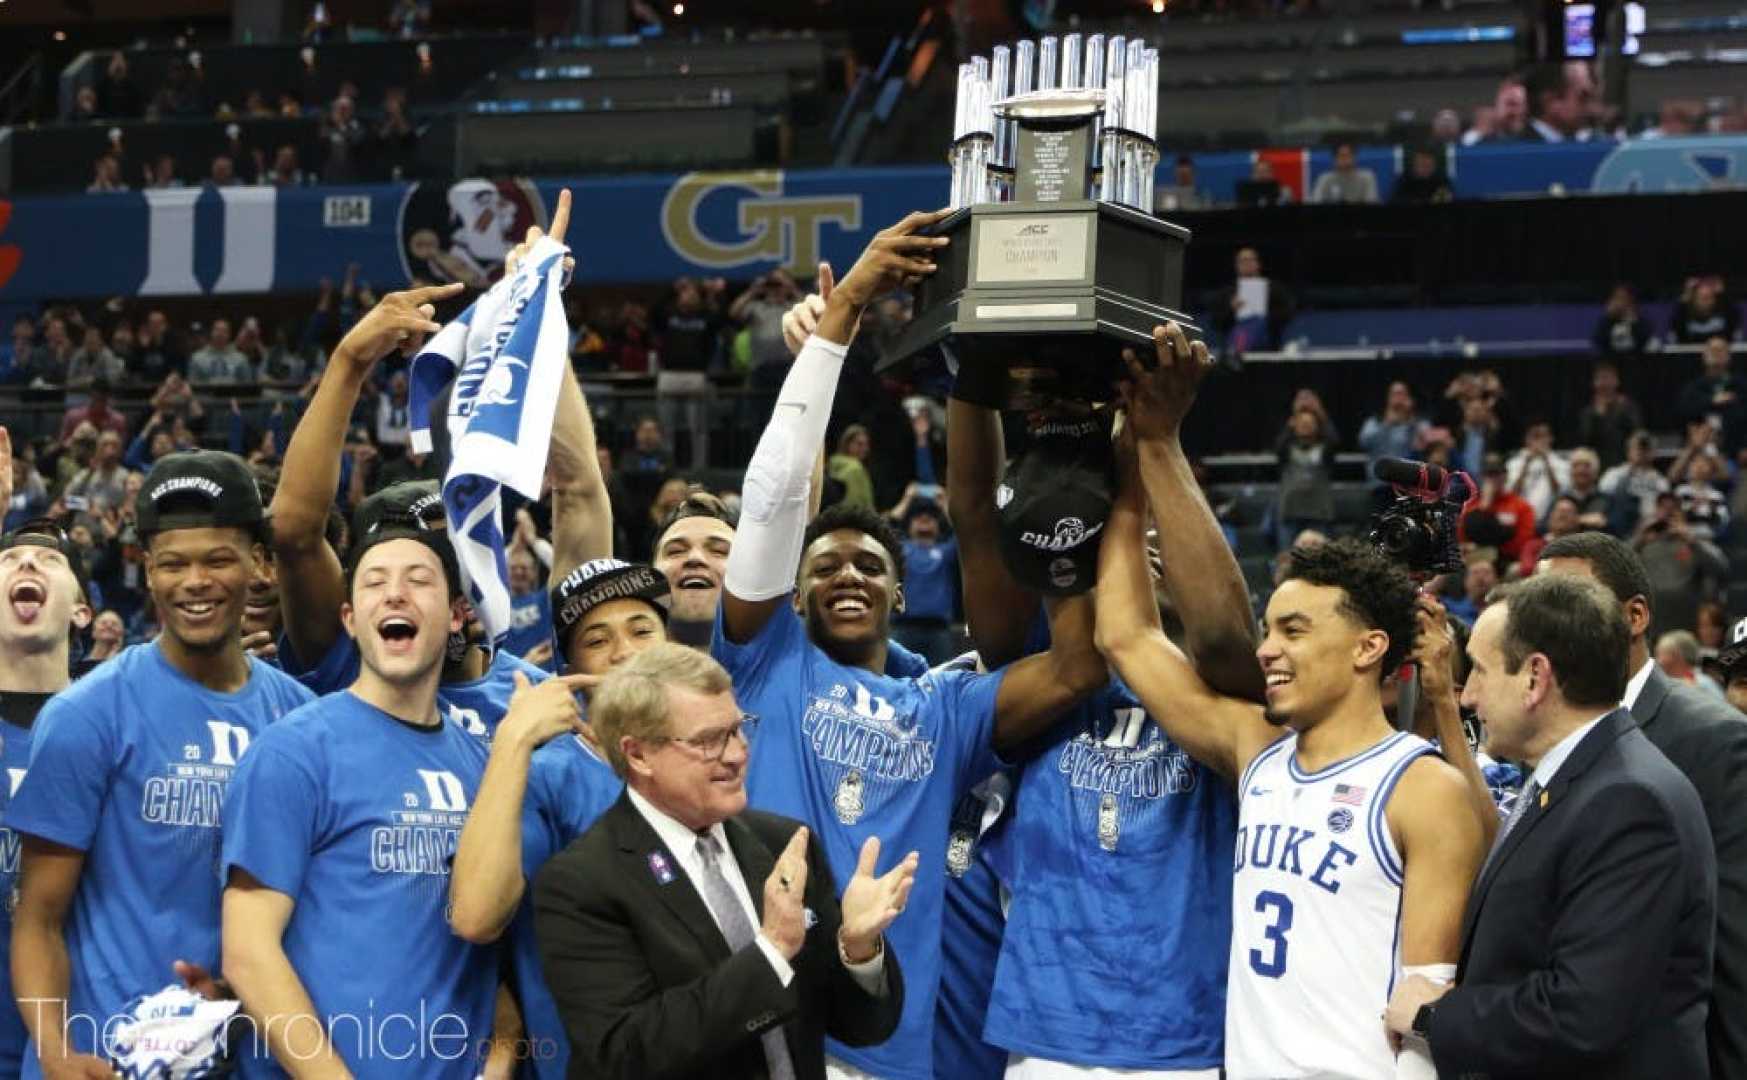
(1543, 800)
(660, 867)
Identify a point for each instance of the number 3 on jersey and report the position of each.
(1278, 908)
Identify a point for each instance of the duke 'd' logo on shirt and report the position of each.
(422, 839)
(191, 791)
(870, 738)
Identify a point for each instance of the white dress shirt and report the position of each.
(1635, 686)
(683, 842)
(1549, 764)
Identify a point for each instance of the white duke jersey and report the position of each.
(1316, 915)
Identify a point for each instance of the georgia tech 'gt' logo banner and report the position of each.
(771, 227)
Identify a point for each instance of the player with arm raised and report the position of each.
(1118, 855)
(1355, 844)
(845, 747)
(476, 687)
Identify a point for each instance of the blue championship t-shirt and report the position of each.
(355, 815)
(17, 718)
(1118, 859)
(970, 942)
(569, 786)
(530, 625)
(478, 705)
(854, 754)
(130, 766)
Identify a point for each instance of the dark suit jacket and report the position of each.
(644, 980)
(1586, 948)
(1707, 740)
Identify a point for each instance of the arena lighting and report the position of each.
(679, 9)
(60, 35)
(1158, 7)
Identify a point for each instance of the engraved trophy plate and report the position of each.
(1053, 247)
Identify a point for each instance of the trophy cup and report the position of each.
(1057, 263)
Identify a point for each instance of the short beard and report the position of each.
(1275, 718)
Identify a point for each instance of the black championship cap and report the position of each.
(597, 582)
(1733, 655)
(198, 489)
(1054, 503)
(46, 532)
(407, 511)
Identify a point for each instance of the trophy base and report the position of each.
(1053, 292)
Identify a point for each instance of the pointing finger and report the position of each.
(433, 292)
(561, 217)
(578, 680)
(521, 682)
(827, 280)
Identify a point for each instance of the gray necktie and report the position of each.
(1517, 812)
(737, 928)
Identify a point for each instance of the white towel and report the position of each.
(506, 357)
(174, 1034)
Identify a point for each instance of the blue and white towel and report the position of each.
(506, 355)
(174, 1034)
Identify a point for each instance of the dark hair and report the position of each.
(1378, 594)
(1612, 561)
(862, 520)
(1575, 623)
(1545, 78)
(695, 504)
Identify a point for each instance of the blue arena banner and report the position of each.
(190, 241)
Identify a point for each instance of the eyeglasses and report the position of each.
(713, 745)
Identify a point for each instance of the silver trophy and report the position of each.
(1057, 262)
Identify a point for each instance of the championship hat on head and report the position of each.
(45, 532)
(407, 511)
(198, 489)
(1054, 502)
(1733, 656)
(597, 582)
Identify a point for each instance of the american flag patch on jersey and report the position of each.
(1351, 794)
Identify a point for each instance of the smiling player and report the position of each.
(120, 809)
(841, 744)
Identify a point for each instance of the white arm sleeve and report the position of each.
(1415, 1060)
(773, 496)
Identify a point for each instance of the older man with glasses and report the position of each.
(662, 958)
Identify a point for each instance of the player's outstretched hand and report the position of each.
(560, 226)
(1158, 395)
(400, 320)
(897, 257)
(803, 318)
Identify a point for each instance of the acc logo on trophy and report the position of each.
(771, 226)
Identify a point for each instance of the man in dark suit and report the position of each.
(1707, 741)
(1586, 947)
(663, 957)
